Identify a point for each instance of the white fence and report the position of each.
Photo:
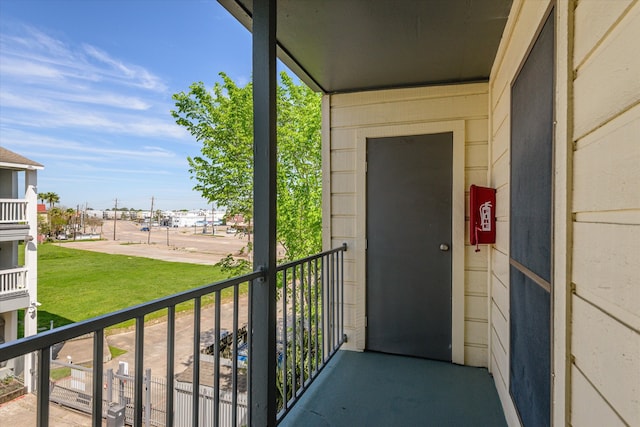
(13, 210)
(183, 408)
(13, 280)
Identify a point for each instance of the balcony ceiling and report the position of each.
(353, 45)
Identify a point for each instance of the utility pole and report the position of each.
(115, 218)
(150, 222)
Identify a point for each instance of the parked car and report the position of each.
(231, 230)
(62, 237)
(144, 229)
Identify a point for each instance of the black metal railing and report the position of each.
(310, 326)
(310, 330)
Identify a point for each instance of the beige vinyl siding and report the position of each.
(396, 112)
(605, 344)
(522, 26)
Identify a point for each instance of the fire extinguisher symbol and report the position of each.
(485, 216)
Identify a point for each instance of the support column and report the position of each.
(263, 296)
(31, 263)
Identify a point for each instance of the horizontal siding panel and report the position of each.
(630, 217)
(398, 95)
(501, 141)
(502, 236)
(475, 176)
(343, 182)
(500, 296)
(502, 203)
(609, 82)
(475, 260)
(343, 160)
(477, 130)
(500, 324)
(349, 291)
(349, 315)
(608, 353)
(501, 111)
(593, 19)
(343, 204)
(475, 356)
(476, 155)
(608, 159)
(423, 110)
(587, 406)
(343, 139)
(500, 267)
(606, 262)
(500, 172)
(500, 357)
(475, 307)
(475, 282)
(475, 332)
(343, 226)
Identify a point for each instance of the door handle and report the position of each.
(444, 247)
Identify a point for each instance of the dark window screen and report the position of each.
(531, 158)
(531, 231)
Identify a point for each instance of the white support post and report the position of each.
(31, 263)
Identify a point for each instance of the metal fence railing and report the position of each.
(310, 327)
(310, 330)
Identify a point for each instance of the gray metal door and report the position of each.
(409, 186)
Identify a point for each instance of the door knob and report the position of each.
(444, 247)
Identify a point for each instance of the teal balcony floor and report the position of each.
(374, 389)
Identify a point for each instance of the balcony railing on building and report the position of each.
(309, 331)
(13, 211)
(12, 281)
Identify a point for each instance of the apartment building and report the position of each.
(18, 274)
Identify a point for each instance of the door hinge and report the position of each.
(366, 321)
(366, 244)
(366, 167)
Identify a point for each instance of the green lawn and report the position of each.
(74, 285)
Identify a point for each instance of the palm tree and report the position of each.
(52, 198)
(42, 197)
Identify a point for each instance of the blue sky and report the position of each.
(86, 86)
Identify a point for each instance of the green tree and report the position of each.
(51, 198)
(222, 120)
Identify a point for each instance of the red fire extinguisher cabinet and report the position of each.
(482, 218)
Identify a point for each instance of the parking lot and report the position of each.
(185, 244)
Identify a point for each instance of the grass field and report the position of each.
(75, 285)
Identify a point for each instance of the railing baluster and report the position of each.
(302, 326)
(294, 344)
(44, 368)
(285, 341)
(195, 404)
(234, 361)
(139, 366)
(310, 330)
(98, 350)
(171, 340)
(249, 347)
(317, 286)
(216, 361)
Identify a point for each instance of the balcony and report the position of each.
(315, 382)
(13, 289)
(13, 219)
